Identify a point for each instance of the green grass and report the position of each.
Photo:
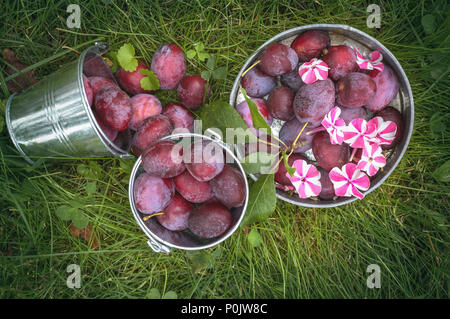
(306, 253)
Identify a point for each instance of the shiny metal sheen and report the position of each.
(53, 119)
(163, 240)
(405, 102)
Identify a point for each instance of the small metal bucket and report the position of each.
(53, 119)
(343, 34)
(161, 239)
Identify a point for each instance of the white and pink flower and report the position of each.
(306, 179)
(385, 130)
(334, 125)
(313, 70)
(349, 181)
(372, 159)
(374, 63)
(358, 132)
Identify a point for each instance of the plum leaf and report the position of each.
(150, 82)
(289, 168)
(259, 163)
(262, 200)
(254, 238)
(126, 58)
(258, 121)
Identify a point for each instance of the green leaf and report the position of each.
(429, 23)
(202, 56)
(150, 82)
(79, 220)
(220, 73)
(199, 47)
(154, 294)
(112, 56)
(170, 295)
(126, 59)
(259, 163)
(206, 75)
(200, 261)
(66, 212)
(289, 168)
(254, 238)
(211, 64)
(442, 173)
(190, 54)
(262, 200)
(91, 188)
(258, 121)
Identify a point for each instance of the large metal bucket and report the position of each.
(162, 239)
(53, 118)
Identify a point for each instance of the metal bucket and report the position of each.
(343, 34)
(53, 118)
(163, 240)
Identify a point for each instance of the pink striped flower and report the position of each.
(334, 125)
(349, 180)
(313, 70)
(358, 132)
(306, 179)
(374, 63)
(385, 130)
(372, 159)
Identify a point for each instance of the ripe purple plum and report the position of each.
(176, 214)
(151, 129)
(313, 101)
(292, 79)
(327, 191)
(341, 60)
(257, 84)
(290, 130)
(93, 65)
(110, 133)
(277, 59)
(180, 116)
(164, 159)
(191, 189)
(131, 81)
(113, 106)
(329, 155)
(210, 220)
(391, 114)
(204, 160)
(280, 103)
(229, 187)
(143, 106)
(280, 175)
(310, 44)
(348, 114)
(97, 83)
(387, 88)
(88, 90)
(355, 89)
(191, 91)
(152, 193)
(169, 65)
(123, 140)
(244, 111)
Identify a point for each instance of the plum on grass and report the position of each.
(210, 220)
(310, 44)
(277, 59)
(280, 103)
(391, 114)
(244, 111)
(143, 106)
(169, 65)
(229, 187)
(97, 83)
(327, 191)
(113, 106)
(152, 193)
(280, 174)
(164, 159)
(151, 129)
(88, 90)
(329, 155)
(290, 130)
(313, 101)
(355, 89)
(191, 91)
(387, 88)
(292, 79)
(131, 81)
(180, 116)
(348, 114)
(257, 84)
(204, 160)
(191, 189)
(176, 214)
(341, 60)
